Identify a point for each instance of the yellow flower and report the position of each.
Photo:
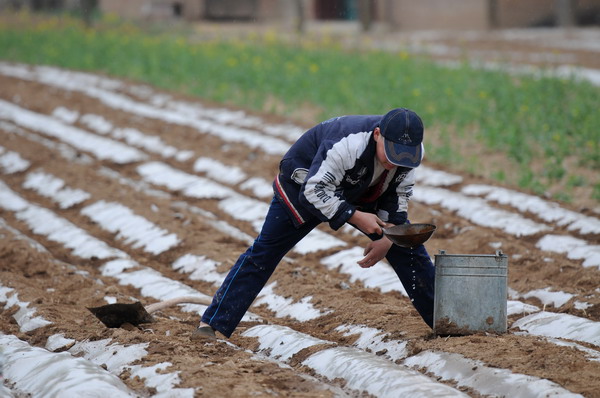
(270, 37)
(90, 34)
(110, 18)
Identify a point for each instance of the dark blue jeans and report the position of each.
(278, 236)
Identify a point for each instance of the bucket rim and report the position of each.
(443, 253)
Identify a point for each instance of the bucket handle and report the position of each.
(499, 254)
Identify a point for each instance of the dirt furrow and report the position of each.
(215, 367)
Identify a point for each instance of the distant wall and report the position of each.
(396, 14)
(518, 13)
(154, 9)
(251, 10)
(485, 14)
(437, 14)
(126, 9)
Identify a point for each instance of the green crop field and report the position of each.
(539, 133)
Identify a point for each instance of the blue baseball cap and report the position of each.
(403, 133)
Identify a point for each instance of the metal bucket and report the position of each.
(470, 293)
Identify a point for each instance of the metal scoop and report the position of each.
(409, 235)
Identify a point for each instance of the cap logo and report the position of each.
(405, 139)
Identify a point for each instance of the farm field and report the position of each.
(113, 191)
(518, 106)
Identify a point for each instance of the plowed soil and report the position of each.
(60, 284)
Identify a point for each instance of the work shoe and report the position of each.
(203, 333)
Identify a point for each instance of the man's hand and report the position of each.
(374, 252)
(367, 222)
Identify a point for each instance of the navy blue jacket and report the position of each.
(327, 171)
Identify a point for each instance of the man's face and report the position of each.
(381, 150)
